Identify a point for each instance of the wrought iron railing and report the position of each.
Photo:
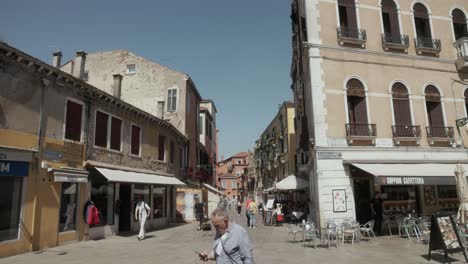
(353, 129)
(406, 131)
(395, 39)
(427, 43)
(352, 33)
(439, 132)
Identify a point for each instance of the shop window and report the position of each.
(172, 154)
(69, 198)
(100, 138)
(347, 13)
(390, 21)
(103, 196)
(159, 202)
(401, 105)
(434, 107)
(421, 21)
(136, 140)
(116, 134)
(73, 121)
(10, 207)
(161, 148)
(459, 24)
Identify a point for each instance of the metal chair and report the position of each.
(368, 228)
(409, 226)
(293, 230)
(348, 230)
(310, 234)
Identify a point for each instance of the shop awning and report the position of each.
(70, 175)
(213, 189)
(292, 183)
(411, 174)
(137, 177)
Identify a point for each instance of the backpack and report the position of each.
(92, 215)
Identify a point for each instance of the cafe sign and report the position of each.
(403, 180)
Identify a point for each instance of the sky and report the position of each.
(237, 52)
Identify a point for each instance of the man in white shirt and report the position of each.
(141, 214)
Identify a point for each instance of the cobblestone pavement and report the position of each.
(175, 245)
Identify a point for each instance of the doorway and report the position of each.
(362, 200)
(125, 207)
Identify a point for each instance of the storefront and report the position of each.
(115, 193)
(421, 189)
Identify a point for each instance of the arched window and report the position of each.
(459, 24)
(390, 21)
(357, 108)
(401, 105)
(347, 13)
(421, 21)
(434, 112)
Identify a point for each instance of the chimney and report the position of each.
(57, 59)
(117, 87)
(80, 60)
(161, 109)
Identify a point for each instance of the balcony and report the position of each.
(395, 42)
(427, 45)
(353, 36)
(462, 54)
(361, 132)
(444, 135)
(406, 133)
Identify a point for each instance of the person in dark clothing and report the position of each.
(377, 212)
(199, 213)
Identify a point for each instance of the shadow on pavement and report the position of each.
(440, 258)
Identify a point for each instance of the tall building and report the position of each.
(275, 150)
(378, 87)
(208, 151)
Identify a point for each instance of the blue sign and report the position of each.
(14, 168)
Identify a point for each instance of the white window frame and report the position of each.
(400, 26)
(64, 126)
(140, 141)
(345, 94)
(451, 20)
(223, 184)
(128, 68)
(429, 14)
(176, 101)
(409, 99)
(441, 102)
(109, 122)
(233, 185)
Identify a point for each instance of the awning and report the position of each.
(292, 183)
(70, 175)
(137, 177)
(411, 174)
(213, 189)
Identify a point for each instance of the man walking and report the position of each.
(199, 213)
(141, 214)
(231, 243)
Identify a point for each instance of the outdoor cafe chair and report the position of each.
(388, 223)
(310, 234)
(348, 231)
(330, 233)
(424, 232)
(293, 230)
(410, 228)
(368, 228)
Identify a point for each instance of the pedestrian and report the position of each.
(231, 243)
(239, 208)
(199, 213)
(141, 214)
(247, 210)
(377, 212)
(252, 214)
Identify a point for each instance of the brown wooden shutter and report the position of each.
(458, 16)
(161, 147)
(434, 114)
(389, 6)
(420, 11)
(401, 106)
(361, 111)
(135, 148)
(73, 121)
(101, 129)
(116, 133)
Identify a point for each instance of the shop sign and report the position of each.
(66, 178)
(52, 154)
(329, 155)
(404, 180)
(14, 168)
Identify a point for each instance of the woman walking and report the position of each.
(253, 214)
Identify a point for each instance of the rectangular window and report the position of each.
(161, 148)
(102, 121)
(171, 100)
(131, 69)
(200, 125)
(73, 121)
(223, 184)
(136, 140)
(10, 209)
(69, 199)
(233, 185)
(159, 202)
(188, 103)
(172, 150)
(116, 134)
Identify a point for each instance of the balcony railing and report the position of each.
(395, 42)
(406, 133)
(427, 45)
(347, 35)
(361, 132)
(461, 45)
(440, 135)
